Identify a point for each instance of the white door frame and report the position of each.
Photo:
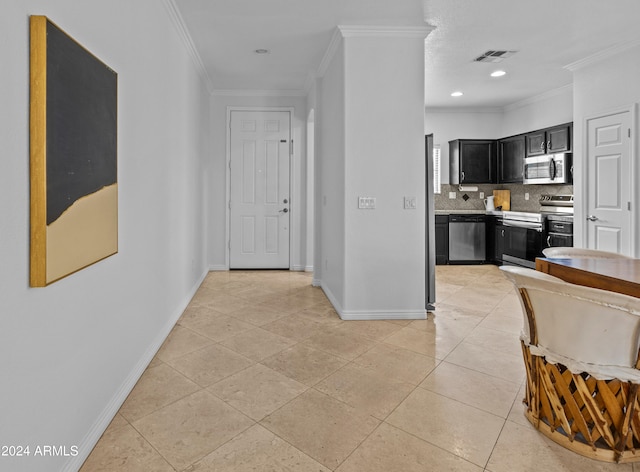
(634, 171)
(294, 234)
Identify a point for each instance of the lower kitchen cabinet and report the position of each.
(498, 242)
(495, 239)
(442, 239)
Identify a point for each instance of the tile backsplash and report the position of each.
(518, 191)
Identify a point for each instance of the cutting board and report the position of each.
(502, 198)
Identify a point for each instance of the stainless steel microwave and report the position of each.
(548, 169)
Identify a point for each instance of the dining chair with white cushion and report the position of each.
(581, 353)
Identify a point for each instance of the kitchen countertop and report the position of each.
(468, 212)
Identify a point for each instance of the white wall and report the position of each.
(309, 196)
(330, 181)
(371, 144)
(601, 87)
(549, 109)
(313, 103)
(72, 351)
(217, 194)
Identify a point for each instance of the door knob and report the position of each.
(284, 210)
(592, 218)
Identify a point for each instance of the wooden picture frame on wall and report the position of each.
(73, 155)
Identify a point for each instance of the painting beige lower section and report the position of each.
(86, 233)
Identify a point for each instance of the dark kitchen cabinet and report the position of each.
(498, 242)
(472, 161)
(495, 239)
(442, 239)
(559, 139)
(550, 140)
(511, 154)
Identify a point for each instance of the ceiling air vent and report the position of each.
(494, 56)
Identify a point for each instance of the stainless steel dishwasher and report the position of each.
(467, 239)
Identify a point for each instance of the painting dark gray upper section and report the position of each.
(81, 123)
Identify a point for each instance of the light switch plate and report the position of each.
(452, 195)
(367, 203)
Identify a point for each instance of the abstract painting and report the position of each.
(73, 155)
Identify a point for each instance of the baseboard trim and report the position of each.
(384, 315)
(297, 268)
(104, 419)
(332, 299)
(353, 315)
(308, 268)
(218, 267)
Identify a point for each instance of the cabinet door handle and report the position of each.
(503, 233)
(542, 145)
(548, 241)
(462, 176)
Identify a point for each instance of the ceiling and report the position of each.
(547, 35)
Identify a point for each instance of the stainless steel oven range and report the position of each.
(523, 233)
(558, 216)
(526, 234)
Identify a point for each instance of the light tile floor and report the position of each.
(260, 374)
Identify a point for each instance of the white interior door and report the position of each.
(259, 179)
(609, 183)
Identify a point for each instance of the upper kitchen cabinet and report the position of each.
(549, 141)
(472, 161)
(511, 154)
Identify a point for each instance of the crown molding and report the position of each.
(257, 93)
(602, 55)
(540, 97)
(344, 31)
(510, 107)
(178, 22)
(336, 39)
(394, 31)
(464, 110)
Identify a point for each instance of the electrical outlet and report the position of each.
(481, 194)
(452, 195)
(410, 203)
(526, 196)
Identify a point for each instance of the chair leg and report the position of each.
(626, 424)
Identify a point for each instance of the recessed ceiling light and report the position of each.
(498, 73)
(456, 94)
(262, 51)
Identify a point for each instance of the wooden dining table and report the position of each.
(615, 275)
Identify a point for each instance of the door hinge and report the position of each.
(291, 147)
(229, 204)
(629, 206)
(229, 244)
